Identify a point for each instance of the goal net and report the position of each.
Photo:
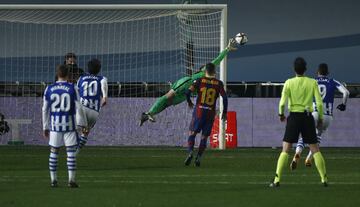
(143, 49)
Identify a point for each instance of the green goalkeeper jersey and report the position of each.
(181, 85)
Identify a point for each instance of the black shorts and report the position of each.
(300, 123)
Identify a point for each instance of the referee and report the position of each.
(300, 92)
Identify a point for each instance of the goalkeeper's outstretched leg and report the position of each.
(161, 103)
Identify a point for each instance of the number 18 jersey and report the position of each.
(208, 90)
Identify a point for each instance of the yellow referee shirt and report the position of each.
(301, 91)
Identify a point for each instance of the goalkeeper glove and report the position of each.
(232, 44)
(341, 107)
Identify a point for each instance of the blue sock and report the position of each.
(202, 147)
(191, 143)
(82, 141)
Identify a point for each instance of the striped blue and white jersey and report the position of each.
(92, 88)
(61, 111)
(327, 87)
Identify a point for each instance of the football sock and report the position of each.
(202, 147)
(320, 165)
(82, 142)
(191, 143)
(159, 105)
(53, 160)
(309, 156)
(300, 146)
(71, 162)
(282, 162)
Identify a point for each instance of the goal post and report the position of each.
(223, 77)
(133, 43)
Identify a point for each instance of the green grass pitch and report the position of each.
(110, 176)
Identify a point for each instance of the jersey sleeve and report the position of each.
(220, 57)
(284, 97)
(46, 111)
(342, 90)
(78, 83)
(318, 100)
(104, 87)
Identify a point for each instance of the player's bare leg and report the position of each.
(53, 161)
(282, 162)
(161, 103)
(299, 148)
(319, 163)
(191, 143)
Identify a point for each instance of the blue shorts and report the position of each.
(203, 125)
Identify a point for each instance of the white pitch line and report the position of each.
(187, 182)
(163, 176)
(172, 156)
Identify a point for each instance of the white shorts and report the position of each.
(326, 120)
(58, 139)
(91, 116)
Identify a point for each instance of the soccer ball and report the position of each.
(241, 38)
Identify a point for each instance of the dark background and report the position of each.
(321, 31)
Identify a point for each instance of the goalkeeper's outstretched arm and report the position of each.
(230, 47)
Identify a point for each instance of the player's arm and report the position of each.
(345, 93)
(104, 90)
(222, 55)
(318, 100)
(80, 115)
(46, 115)
(284, 97)
(189, 91)
(225, 102)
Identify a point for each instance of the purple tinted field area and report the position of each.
(257, 123)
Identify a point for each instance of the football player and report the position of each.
(208, 89)
(327, 87)
(93, 89)
(176, 94)
(62, 114)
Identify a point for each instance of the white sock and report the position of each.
(309, 156)
(71, 162)
(300, 146)
(53, 159)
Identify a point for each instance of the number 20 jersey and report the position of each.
(327, 88)
(90, 90)
(60, 106)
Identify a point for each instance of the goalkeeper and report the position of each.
(176, 94)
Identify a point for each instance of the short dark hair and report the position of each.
(300, 66)
(94, 66)
(323, 69)
(70, 55)
(62, 71)
(210, 68)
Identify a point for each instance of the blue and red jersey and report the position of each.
(208, 90)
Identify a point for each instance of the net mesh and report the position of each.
(142, 53)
